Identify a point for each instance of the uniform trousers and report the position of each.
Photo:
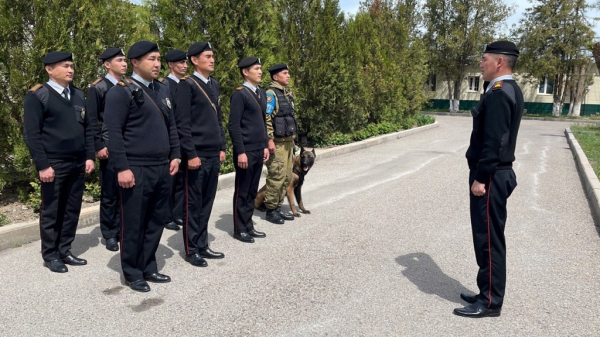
(488, 219)
(246, 188)
(176, 197)
(142, 220)
(61, 205)
(200, 190)
(279, 174)
(109, 201)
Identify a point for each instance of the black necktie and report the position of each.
(151, 86)
(258, 93)
(65, 94)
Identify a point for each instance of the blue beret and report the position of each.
(174, 55)
(57, 56)
(110, 53)
(248, 61)
(277, 68)
(502, 47)
(141, 48)
(198, 48)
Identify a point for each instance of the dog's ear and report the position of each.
(314, 153)
(302, 149)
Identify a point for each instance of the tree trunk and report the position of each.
(557, 108)
(456, 100)
(558, 95)
(450, 96)
(578, 90)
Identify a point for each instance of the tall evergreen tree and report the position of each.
(456, 31)
(555, 39)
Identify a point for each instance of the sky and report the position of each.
(351, 7)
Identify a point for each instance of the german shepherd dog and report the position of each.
(302, 164)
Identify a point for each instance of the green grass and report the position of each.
(3, 220)
(588, 137)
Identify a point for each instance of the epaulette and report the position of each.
(160, 79)
(97, 81)
(497, 85)
(239, 88)
(185, 77)
(121, 83)
(36, 87)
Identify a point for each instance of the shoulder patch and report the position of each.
(160, 79)
(239, 88)
(121, 83)
(185, 77)
(497, 85)
(269, 98)
(97, 81)
(36, 87)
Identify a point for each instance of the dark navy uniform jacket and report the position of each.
(496, 121)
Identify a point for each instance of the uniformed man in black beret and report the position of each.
(144, 148)
(113, 59)
(248, 132)
(199, 122)
(60, 138)
(177, 63)
(496, 121)
(281, 130)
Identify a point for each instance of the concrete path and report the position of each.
(385, 252)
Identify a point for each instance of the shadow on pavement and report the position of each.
(83, 242)
(422, 271)
(163, 253)
(225, 223)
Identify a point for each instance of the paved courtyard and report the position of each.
(385, 252)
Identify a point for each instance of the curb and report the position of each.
(525, 117)
(21, 233)
(589, 180)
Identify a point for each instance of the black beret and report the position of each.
(141, 48)
(502, 47)
(277, 68)
(110, 53)
(175, 55)
(198, 47)
(57, 56)
(248, 61)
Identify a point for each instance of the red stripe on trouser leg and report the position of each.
(187, 211)
(489, 242)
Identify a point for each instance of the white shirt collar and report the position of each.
(111, 78)
(498, 79)
(171, 76)
(204, 79)
(141, 80)
(249, 86)
(57, 87)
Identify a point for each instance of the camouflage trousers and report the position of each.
(279, 168)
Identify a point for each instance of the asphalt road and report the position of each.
(385, 252)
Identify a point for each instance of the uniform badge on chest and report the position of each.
(82, 113)
(168, 103)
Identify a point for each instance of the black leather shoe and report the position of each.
(112, 244)
(468, 298)
(74, 261)
(56, 266)
(285, 216)
(172, 226)
(273, 217)
(244, 237)
(256, 234)
(210, 254)
(139, 285)
(477, 310)
(178, 221)
(196, 260)
(157, 278)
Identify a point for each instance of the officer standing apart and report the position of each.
(248, 132)
(115, 63)
(281, 130)
(145, 149)
(199, 123)
(177, 62)
(60, 138)
(496, 121)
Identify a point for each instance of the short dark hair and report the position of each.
(511, 61)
